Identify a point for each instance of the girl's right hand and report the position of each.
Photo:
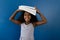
(18, 10)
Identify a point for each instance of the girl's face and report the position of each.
(27, 17)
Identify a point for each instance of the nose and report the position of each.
(27, 16)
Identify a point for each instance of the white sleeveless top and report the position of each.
(27, 32)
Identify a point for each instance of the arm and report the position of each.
(43, 21)
(13, 16)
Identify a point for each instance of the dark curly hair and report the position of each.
(32, 20)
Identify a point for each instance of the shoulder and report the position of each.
(22, 23)
(34, 24)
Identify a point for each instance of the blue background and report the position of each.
(49, 8)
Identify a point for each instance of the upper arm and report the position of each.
(15, 21)
(39, 23)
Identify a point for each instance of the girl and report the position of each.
(28, 22)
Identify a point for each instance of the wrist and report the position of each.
(38, 13)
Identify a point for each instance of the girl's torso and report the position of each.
(27, 31)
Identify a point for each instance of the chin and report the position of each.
(26, 20)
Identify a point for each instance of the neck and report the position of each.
(27, 23)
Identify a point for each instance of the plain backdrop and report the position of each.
(49, 8)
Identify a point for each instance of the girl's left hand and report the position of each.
(37, 10)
